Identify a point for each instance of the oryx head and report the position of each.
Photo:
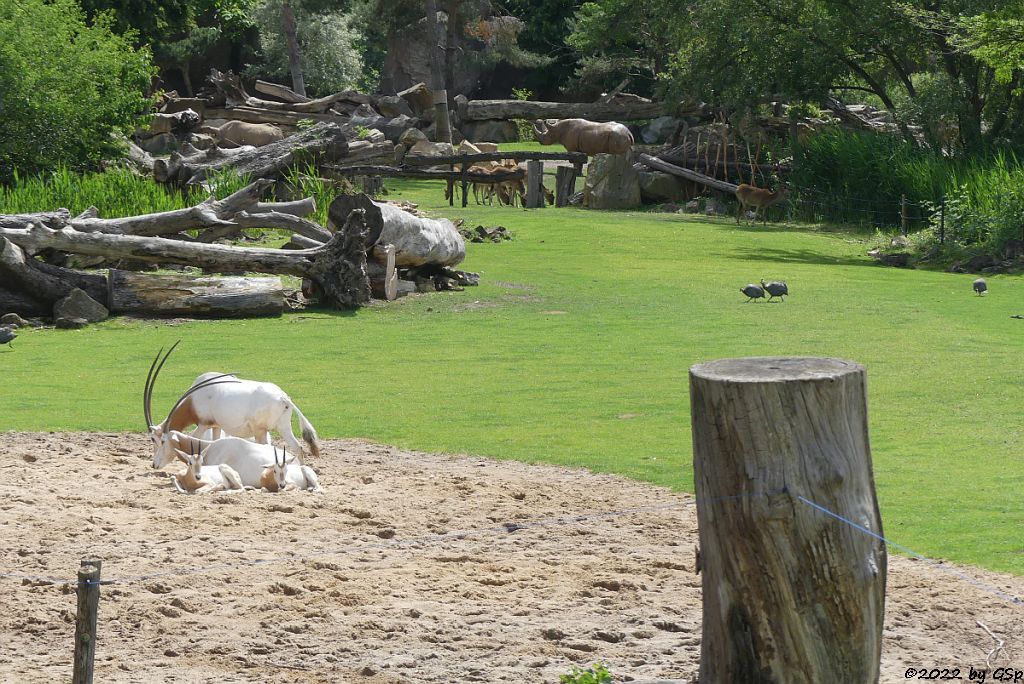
(280, 469)
(163, 449)
(193, 460)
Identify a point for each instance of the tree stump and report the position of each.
(791, 594)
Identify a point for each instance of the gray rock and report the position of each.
(13, 320)
(419, 97)
(80, 305)
(393, 106)
(659, 130)
(70, 323)
(612, 183)
(163, 143)
(656, 186)
(712, 207)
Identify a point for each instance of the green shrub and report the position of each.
(67, 87)
(595, 674)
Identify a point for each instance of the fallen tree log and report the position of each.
(279, 91)
(53, 219)
(44, 283)
(323, 142)
(271, 116)
(417, 241)
(473, 110)
(659, 165)
(338, 267)
(12, 301)
(181, 295)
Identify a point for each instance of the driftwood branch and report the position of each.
(659, 165)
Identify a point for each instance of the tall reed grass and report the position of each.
(116, 192)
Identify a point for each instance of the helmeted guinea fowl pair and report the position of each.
(773, 289)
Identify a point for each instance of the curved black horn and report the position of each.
(147, 392)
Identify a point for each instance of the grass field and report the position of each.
(575, 350)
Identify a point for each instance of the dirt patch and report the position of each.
(410, 567)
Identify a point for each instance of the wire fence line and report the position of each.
(511, 527)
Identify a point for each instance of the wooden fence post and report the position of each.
(904, 219)
(565, 185)
(942, 221)
(790, 593)
(534, 184)
(85, 621)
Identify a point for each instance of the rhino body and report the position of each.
(580, 135)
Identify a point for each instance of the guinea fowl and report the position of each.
(775, 289)
(753, 291)
(980, 286)
(7, 336)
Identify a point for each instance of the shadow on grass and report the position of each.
(801, 256)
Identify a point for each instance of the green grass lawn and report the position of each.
(575, 350)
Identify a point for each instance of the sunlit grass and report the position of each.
(575, 350)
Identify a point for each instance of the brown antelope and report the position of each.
(222, 402)
(759, 198)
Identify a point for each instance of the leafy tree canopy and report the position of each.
(67, 86)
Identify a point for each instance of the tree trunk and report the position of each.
(417, 241)
(474, 110)
(180, 295)
(41, 282)
(791, 594)
(442, 123)
(294, 61)
(12, 301)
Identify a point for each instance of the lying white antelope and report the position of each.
(205, 479)
(248, 459)
(283, 475)
(222, 402)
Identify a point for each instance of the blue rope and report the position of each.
(1010, 598)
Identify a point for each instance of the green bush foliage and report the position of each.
(68, 87)
(595, 674)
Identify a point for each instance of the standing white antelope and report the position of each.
(222, 402)
(759, 198)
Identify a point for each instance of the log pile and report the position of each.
(356, 257)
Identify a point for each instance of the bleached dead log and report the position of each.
(417, 241)
(181, 295)
(472, 110)
(338, 267)
(53, 219)
(659, 165)
(280, 92)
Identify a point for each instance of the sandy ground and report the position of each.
(372, 582)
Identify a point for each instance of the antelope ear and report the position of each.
(182, 456)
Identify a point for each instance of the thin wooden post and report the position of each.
(791, 594)
(85, 621)
(903, 214)
(465, 184)
(942, 221)
(565, 185)
(534, 183)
